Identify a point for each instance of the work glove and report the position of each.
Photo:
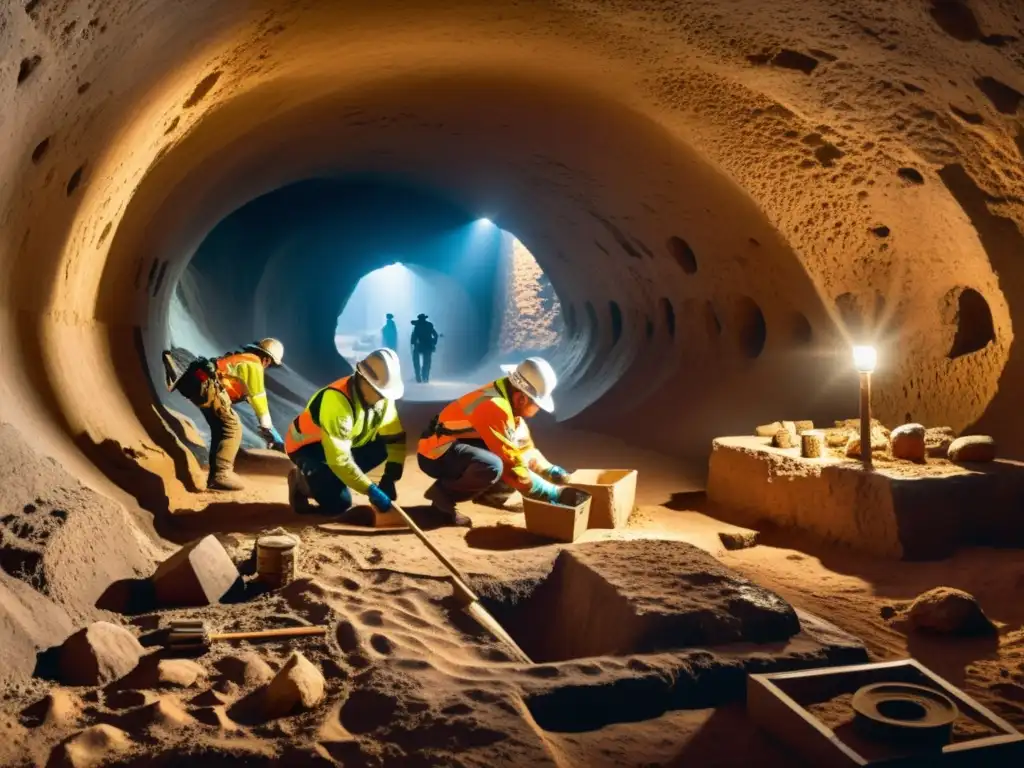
(380, 500)
(558, 475)
(548, 493)
(271, 435)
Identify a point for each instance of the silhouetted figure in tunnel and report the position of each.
(389, 334)
(214, 386)
(424, 342)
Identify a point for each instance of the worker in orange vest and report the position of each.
(482, 439)
(348, 428)
(214, 386)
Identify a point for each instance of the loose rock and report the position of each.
(879, 444)
(200, 573)
(92, 747)
(98, 654)
(973, 448)
(180, 672)
(803, 426)
(908, 442)
(937, 441)
(58, 708)
(299, 685)
(245, 669)
(768, 430)
(783, 439)
(733, 540)
(948, 611)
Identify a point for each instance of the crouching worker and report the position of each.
(481, 442)
(215, 386)
(349, 428)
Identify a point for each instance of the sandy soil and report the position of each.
(411, 681)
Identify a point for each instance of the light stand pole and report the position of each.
(865, 359)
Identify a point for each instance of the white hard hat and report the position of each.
(381, 370)
(536, 379)
(272, 348)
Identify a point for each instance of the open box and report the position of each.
(613, 493)
(797, 707)
(556, 521)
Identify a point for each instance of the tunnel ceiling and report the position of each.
(724, 193)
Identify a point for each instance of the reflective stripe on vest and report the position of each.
(304, 429)
(453, 423)
(233, 385)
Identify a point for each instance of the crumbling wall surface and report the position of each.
(62, 546)
(724, 197)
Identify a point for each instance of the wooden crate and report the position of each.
(613, 493)
(777, 702)
(555, 521)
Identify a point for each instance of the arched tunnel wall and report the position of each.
(821, 167)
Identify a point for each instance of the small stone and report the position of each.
(299, 685)
(948, 611)
(245, 669)
(790, 426)
(908, 442)
(92, 747)
(803, 426)
(879, 444)
(167, 714)
(973, 448)
(783, 439)
(179, 672)
(200, 573)
(937, 441)
(98, 654)
(733, 540)
(768, 430)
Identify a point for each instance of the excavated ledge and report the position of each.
(898, 510)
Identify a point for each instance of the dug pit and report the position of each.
(637, 597)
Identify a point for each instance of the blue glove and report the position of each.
(558, 475)
(378, 498)
(548, 493)
(271, 435)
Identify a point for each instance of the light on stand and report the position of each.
(865, 359)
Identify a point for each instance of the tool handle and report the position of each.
(460, 583)
(286, 632)
(488, 622)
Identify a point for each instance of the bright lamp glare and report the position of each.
(865, 358)
(485, 221)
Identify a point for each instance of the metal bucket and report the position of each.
(276, 556)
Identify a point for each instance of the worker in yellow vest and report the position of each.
(481, 442)
(215, 386)
(349, 428)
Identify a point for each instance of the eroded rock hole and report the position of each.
(712, 325)
(28, 66)
(974, 326)
(881, 231)
(40, 151)
(802, 332)
(911, 175)
(203, 87)
(956, 19)
(1003, 97)
(75, 180)
(616, 314)
(683, 254)
(669, 313)
(634, 598)
(753, 331)
(83, 88)
(790, 59)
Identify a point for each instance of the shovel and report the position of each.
(193, 635)
(472, 604)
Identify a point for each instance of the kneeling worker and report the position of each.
(482, 439)
(215, 386)
(348, 428)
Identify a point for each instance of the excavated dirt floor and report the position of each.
(410, 680)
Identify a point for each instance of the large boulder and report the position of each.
(98, 654)
(973, 448)
(948, 611)
(298, 686)
(937, 441)
(908, 442)
(200, 573)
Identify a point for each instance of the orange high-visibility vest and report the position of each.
(233, 385)
(304, 429)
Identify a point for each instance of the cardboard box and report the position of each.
(778, 702)
(556, 521)
(613, 493)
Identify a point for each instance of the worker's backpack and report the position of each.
(199, 370)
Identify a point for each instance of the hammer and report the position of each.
(192, 635)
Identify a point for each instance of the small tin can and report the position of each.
(276, 556)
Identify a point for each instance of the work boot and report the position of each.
(225, 481)
(501, 496)
(444, 506)
(298, 492)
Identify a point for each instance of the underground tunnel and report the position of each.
(713, 203)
